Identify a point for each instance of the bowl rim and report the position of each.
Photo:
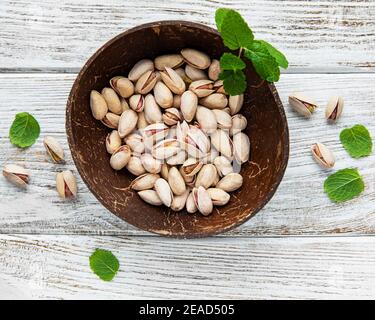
(71, 142)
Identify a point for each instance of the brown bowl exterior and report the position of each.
(267, 129)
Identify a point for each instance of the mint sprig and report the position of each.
(237, 35)
(357, 141)
(104, 264)
(24, 130)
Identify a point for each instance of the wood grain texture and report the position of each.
(56, 267)
(60, 36)
(299, 207)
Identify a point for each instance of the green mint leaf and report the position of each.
(104, 264)
(24, 130)
(229, 61)
(264, 64)
(219, 17)
(234, 81)
(279, 57)
(357, 141)
(344, 185)
(234, 30)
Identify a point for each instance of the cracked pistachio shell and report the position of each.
(54, 149)
(230, 182)
(190, 181)
(163, 95)
(17, 175)
(98, 105)
(222, 142)
(302, 104)
(214, 101)
(120, 157)
(190, 204)
(195, 58)
(176, 101)
(206, 119)
(144, 182)
(179, 202)
(152, 110)
(142, 122)
(113, 101)
(127, 123)
(146, 82)
(135, 142)
(66, 184)
(195, 74)
(219, 87)
(135, 166)
(224, 120)
(168, 60)
(235, 103)
(173, 81)
(176, 181)
(171, 116)
(113, 141)
(323, 155)
(239, 123)
(123, 86)
(241, 147)
(219, 197)
(202, 88)
(189, 104)
(164, 191)
(155, 132)
(223, 166)
(177, 159)
(164, 171)
(202, 200)
(151, 164)
(214, 70)
(140, 68)
(166, 149)
(334, 108)
(137, 102)
(196, 143)
(206, 176)
(191, 167)
(111, 120)
(151, 197)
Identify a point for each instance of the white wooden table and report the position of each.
(299, 246)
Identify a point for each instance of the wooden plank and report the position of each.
(315, 35)
(56, 267)
(299, 206)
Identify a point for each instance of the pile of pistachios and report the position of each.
(176, 130)
(306, 106)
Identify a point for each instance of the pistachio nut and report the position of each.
(206, 176)
(135, 142)
(142, 122)
(210, 156)
(182, 129)
(219, 87)
(179, 202)
(163, 95)
(223, 166)
(168, 60)
(302, 104)
(224, 120)
(112, 141)
(235, 103)
(196, 143)
(164, 191)
(191, 167)
(230, 182)
(123, 86)
(66, 184)
(171, 116)
(323, 155)
(120, 157)
(98, 105)
(195, 58)
(155, 132)
(241, 147)
(176, 101)
(176, 181)
(221, 141)
(151, 197)
(188, 106)
(173, 81)
(172, 132)
(164, 171)
(17, 175)
(190, 181)
(113, 101)
(206, 119)
(124, 104)
(54, 149)
(334, 108)
(146, 82)
(219, 197)
(190, 204)
(127, 123)
(214, 70)
(202, 200)
(239, 123)
(140, 68)
(177, 159)
(137, 102)
(144, 182)
(202, 88)
(214, 101)
(135, 166)
(166, 149)
(181, 72)
(111, 120)
(150, 164)
(152, 110)
(215, 180)
(195, 74)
